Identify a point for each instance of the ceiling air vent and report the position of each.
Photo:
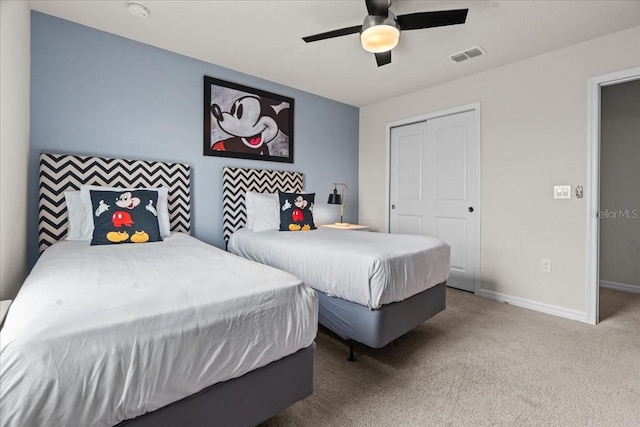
(468, 54)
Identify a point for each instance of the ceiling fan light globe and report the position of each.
(380, 38)
(379, 34)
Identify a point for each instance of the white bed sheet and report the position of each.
(100, 334)
(371, 269)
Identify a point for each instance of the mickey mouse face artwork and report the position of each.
(250, 129)
(240, 123)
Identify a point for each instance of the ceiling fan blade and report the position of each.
(331, 34)
(383, 58)
(441, 18)
(378, 7)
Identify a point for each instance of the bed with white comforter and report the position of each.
(370, 269)
(100, 334)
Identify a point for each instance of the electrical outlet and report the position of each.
(545, 265)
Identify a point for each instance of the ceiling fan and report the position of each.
(380, 31)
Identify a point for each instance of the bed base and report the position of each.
(377, 328)
(244, 401)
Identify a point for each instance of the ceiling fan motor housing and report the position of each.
(380, 34)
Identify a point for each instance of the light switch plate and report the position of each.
(561, 191)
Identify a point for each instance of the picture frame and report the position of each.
(247, 123)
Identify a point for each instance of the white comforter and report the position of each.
(371, 269)
(101, 334)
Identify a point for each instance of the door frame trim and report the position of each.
(595, 84)
(475, 108)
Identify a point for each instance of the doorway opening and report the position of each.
(597, 212)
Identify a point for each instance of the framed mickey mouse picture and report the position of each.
(246, 123)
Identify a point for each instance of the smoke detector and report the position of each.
(137, 9)
(467, 54)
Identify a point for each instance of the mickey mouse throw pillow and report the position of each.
(296, 211)
(125, 217)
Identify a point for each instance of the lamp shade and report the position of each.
(335, 198)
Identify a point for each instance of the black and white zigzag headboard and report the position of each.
(62, 172)
(237, 181)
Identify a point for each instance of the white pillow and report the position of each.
(162, 208)
(262, 211)
(80, 225)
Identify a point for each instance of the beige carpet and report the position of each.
(484, 363)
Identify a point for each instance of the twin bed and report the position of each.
(157, 334)
(182, 333)
(373, 287)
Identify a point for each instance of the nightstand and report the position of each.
(352, 227)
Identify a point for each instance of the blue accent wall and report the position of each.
(94, 93)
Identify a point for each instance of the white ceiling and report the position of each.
(263, 38)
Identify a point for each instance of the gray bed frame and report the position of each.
(243, 401)
(350, 321)
(377, 328)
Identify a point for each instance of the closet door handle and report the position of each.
(470, 208)
(393, 206)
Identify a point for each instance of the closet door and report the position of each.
(433, 187)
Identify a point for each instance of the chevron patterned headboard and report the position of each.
(237, 181)
(63, 172)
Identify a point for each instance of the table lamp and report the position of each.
(339, 199)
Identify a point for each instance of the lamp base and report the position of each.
(341, 224)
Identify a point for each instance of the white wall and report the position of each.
(15, 40)
(620, 184)
(534, 135)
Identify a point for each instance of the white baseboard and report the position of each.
(620, 286)
(534, 305)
